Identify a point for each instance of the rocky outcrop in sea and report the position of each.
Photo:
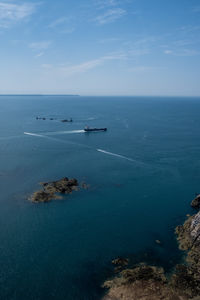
(196, 202)
(55, 190)
(150, 283)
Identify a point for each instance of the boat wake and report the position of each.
(116, 155)
(33, 134)
(45, 136)
(81, 145)
(64, 132)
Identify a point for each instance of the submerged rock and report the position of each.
(120, 261)
(158, 242)
(50, 190)
(85, 186)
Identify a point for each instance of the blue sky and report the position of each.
(100, 47)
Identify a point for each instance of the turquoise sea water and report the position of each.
(142, 173)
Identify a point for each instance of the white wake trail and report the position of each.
(85, 146)
(64, 132)
(117, 155)
(33, 134)
(56, 140)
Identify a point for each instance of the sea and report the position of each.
(141, 175)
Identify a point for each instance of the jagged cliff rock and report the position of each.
(150, 283)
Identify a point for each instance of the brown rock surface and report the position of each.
(141, 283)
(50, 190)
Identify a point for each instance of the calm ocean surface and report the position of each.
(141, 183)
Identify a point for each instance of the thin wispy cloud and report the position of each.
(11, 13)
(182, 52)
(39, 54)
(184, 42)
(142, 45)
(168, 52)
(83, 67)
(58, 22)
(101, 4)
(91, 64)
(38, 46)
(190, 29)
(63, 25)
(68, 30)
(110, 16)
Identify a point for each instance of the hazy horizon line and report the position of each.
(79, 95)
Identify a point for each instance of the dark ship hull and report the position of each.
(94, 129)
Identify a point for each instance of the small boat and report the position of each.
(88, 129)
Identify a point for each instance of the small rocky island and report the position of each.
(55, 190)
(146, 282)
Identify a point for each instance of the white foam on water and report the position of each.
(57, 140)
(85, 146)
(64, 132)
(33, 134)
(117, 155)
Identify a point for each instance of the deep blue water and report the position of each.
(62, 250)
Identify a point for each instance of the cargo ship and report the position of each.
(88, 129)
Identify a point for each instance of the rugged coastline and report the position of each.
(146, 282)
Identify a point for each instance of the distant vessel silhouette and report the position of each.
(88, 129)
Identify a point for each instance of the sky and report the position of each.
(100, 47)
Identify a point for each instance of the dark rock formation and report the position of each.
(65, 120)
(196, 202)
(188, 276)
(120, 261)
(143, 272)
(51, 189)
(41, 196)
(40, 118)
(44, 118)
(142, 282)
(149, 283)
